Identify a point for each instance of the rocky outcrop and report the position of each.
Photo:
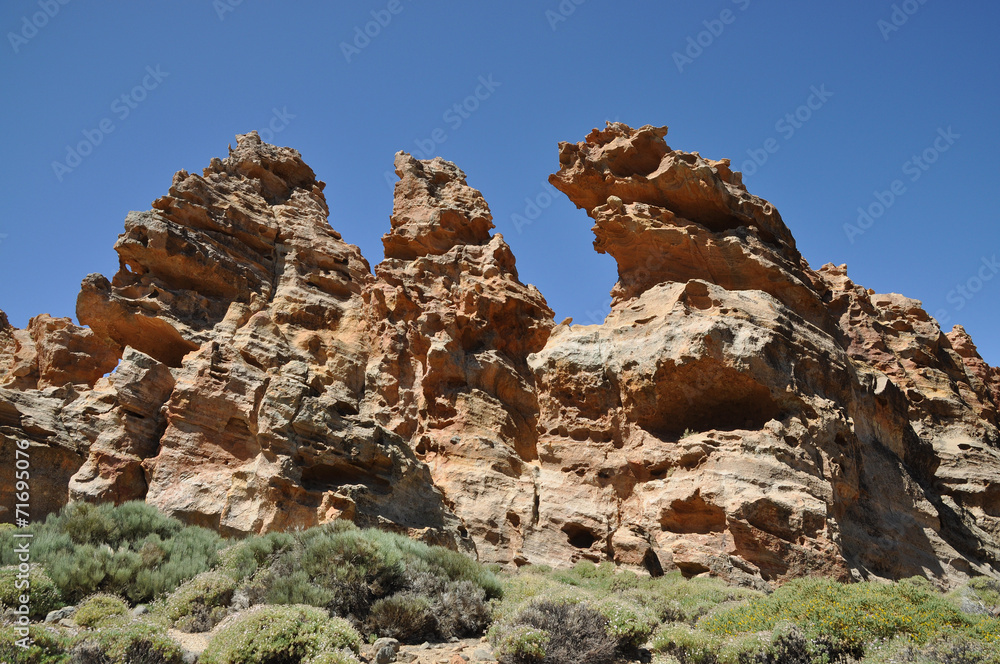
(453, 327)
(738, 413)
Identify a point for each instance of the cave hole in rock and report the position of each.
(702, 396)
(651, 562)
(693, 515)
(579, 537)
(323, 477)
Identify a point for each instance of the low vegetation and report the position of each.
(314, 597)
(131, 550)
(279, 634)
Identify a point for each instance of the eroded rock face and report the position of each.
(737, 413)
(453, 327)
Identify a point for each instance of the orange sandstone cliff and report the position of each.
(738, 413)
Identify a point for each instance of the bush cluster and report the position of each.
(200, 604)
(853, 615)
(282, 635)
(126, 641)
(98, 608)
(546, 632)
(387, 584)
(50, 645)
(45, 596)
(131, 550)
(306, 597)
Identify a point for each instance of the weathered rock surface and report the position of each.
(737, 413)
(453, 328)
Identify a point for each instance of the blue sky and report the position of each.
(898, 78)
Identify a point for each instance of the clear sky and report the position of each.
(907, 112)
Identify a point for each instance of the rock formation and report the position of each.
(738, 413)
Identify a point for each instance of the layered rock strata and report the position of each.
(738, 413)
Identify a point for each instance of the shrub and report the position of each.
(985, 591)
(461, 610)
(50, 646)
(282, 584)
(243, 559)
(335, 657)
(347, 571)
(672, 598)
(848, 616)
(43, 593)
(952, 649)
(631, 628)
(686, 644)
(98, 608)
(131, 550)
(127, 641)
(577, 633)
(354, 567)
(520, 644)
(403, 616)
(112, 525)
(278, 635)
(201, 603)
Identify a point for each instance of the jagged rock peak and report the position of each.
(278, 170)
(252, 228)
(638, 166)
(434, 210)
(671, 216)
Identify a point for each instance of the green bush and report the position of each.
(127, 641)
(98, 608)
(629, 625)
(281, 583)
(577, 633)
(43, 594)
(985, 592)
(688, 645)
(107, 524)
(335, 657)
(354, 566)
(348, 571)
(951, 649)
(520, 644)
(280, 635)
(201, 603)
(851, 615)
(460, 608)
(244, 558)
(403, 616)
(131, 550)
(50, 646)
